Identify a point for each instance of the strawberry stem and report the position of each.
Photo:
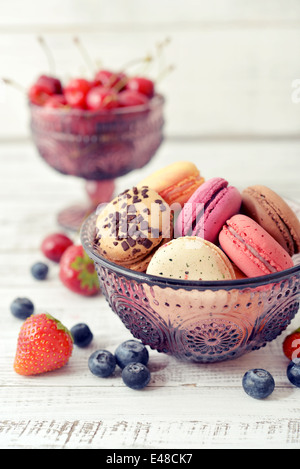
(59, 325)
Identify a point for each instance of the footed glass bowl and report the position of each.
(199, 321)
(97, 146)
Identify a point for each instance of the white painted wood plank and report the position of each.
(134, 12)
(195, 420)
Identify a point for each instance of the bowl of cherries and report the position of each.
(97, 129)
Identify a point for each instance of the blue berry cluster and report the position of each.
(131, 356)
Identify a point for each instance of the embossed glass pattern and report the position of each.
(98, 145)
(200, 321)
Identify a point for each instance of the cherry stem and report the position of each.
(50, 59)
(84, 54)
(122, 82)
(16, 85)
(160, 49)
(164, 73)
(133, 62)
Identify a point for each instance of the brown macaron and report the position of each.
(273, 213)
(132, 227)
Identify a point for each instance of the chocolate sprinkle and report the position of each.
(147, 243)
(131, 242)
(125, 246)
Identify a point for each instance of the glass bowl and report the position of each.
(97, 145)
(199, 321)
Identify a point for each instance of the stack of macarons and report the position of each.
(175, 224)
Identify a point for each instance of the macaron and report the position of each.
(270, 211)
(191, 258)
(251, 248)
(132, 226)
(207, 210)
(175, 183)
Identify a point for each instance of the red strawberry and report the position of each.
(77, 272)
(291, 345)
(44, 344)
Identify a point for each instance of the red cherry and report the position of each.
(142, 85)
(101, 98)
(111, 79)
(50, 84)
(54, 245)
(37, 95)
(76, 91)
(56, 101)
(131, 98)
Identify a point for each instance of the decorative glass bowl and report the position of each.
(199, 321)
(97, 145)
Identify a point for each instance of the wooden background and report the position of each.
(230, 110)
(235, 61)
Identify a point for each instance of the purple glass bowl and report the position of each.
(199, 321)
(98, 145)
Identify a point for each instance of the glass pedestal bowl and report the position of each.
(199, 321)
(98, 146)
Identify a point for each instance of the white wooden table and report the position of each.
(185, 406)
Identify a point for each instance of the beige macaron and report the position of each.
(191, 258)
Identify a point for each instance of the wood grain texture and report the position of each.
(185, 405)
(234, 63)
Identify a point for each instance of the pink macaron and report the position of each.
(252, 249)
(205, 213)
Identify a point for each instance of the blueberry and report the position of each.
(293, 373)
(102, 363)
(39, 270)
(258, 383)
(22, 308)
(131, 351)
(81, 334)
(136, 375)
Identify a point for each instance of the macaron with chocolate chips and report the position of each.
(132, 227)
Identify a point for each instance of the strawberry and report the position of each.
(44, 344)
(77, 271)
(291, 345)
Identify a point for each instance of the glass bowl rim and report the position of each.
(163, 282)
(158, 99)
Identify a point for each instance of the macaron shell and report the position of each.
(176, 182)
(140, 265)
(191, 258)
(132, 225)
(208, 209)
(254, 251)
(272, 212)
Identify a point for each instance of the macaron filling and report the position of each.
(253, 251)
(172, 193)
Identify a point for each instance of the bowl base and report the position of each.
(98, 192)
(71, 218)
